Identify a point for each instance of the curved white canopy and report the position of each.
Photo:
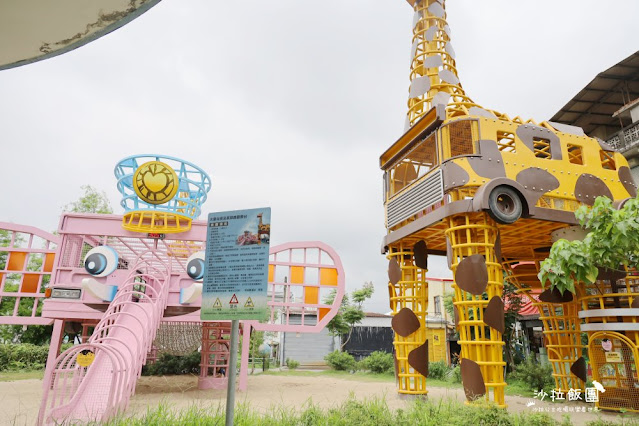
(33, 30)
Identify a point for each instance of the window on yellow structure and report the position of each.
(417, 163)
(461, 138)
(541, 148)
(607, 160)
(506, 141)
(575, 155)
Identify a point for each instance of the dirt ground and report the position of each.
(20, 400)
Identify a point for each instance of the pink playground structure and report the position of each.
(140, 294)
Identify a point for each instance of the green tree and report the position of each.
(350, 313)
(91, 202)
(612, 242)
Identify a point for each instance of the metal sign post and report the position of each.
(235, 277)
(230, 391)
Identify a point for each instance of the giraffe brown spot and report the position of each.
(497, 247)
(635, 303)
(405, 322)
(627, 181)
(528, 133)
(472, 274)
(490, 164)
(418, 359)
(454, 175)
(420, 252)
(537, 180)
(589, 187)
(494, 314)
(472, 379)
(456, 314)
(579, 369)
(554, 296)
(394, 271)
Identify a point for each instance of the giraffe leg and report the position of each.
(408, 291)
(473, 245)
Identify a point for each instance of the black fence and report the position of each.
(365, 340)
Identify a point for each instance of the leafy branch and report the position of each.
(612, 243)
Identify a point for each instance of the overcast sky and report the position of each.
(287, 104)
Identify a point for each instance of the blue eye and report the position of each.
(101, 261)
(195, 266)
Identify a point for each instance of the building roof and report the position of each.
(609, 91)
(376, 315)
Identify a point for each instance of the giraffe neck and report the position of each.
(433, 75)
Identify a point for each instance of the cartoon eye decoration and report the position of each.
(101, 261)
(195, 266)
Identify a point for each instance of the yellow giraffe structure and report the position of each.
(487, 191)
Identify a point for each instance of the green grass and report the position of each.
(358, 375)
(10, 376)
(514, 388)
(352, 412)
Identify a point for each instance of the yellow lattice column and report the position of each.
(408, 292)
(561, 324)
(473, 240)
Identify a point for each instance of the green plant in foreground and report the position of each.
(350, 412)
(612, 241)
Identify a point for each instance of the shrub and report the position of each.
(437, 370)
(340, 361)
(454, 374)
(537, 376)
(379, 362)
(23, 356)
(171, 364)
(292, 364)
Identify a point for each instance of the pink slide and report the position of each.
(94, 380)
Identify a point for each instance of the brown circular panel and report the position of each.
(394, 271)
(497, 247)
(589, 187)
(554, 296)
(405, 322)
(472, 274)
(418, 359)
(579, 369)
(611, 275)
(472, 379)
(628, 182)
(420, 251)
(494, 314)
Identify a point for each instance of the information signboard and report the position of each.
(236, 265)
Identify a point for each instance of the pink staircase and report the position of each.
(94, 380)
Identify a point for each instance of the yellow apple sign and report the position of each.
(85, 358)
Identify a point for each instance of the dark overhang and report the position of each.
(596, 103)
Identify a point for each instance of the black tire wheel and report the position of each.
(504, 205)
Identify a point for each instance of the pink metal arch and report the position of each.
(301, 276)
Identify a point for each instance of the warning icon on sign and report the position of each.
(218, 303)
(233, 300)
(249, 303)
